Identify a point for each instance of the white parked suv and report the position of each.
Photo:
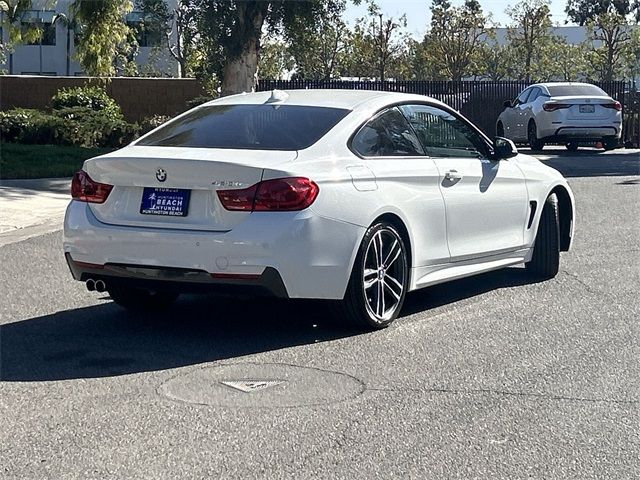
(566, 113)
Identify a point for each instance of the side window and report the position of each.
(522, 98)
(534, 94)
(387, 135)
(443, 134)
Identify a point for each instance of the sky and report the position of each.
(418, 15)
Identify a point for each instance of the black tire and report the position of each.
(141, 300)
(500, 130)
(572, 146)
(532, 135)
(545, 261)
(359, 307)
(609, 143)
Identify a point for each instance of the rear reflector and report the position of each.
(277, 195)
(84, 189)
(615, 106)
(235, 276)
(552, 107)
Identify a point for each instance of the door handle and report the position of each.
(452, 175)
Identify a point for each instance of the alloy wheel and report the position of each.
(384, 274)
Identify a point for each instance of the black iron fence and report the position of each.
(479, 101)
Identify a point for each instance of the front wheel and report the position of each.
(532, 135)
(141, 300)
(379, 279)
(545, 261)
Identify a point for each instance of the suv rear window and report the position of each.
(252, 127)
(562, 90)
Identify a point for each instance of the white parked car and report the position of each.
(353, 196)
(566, 113)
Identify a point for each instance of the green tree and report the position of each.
(529, 36)
(609, 30)
(231, 32)
(493, 61)
(380, 46)
(320, 48)
(611, 37)
(103, 32)
(584, 11)
(11, 13)
(275, 59)
(182, 36)
(455, 37)
(568, 62)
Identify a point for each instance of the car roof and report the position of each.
(332, 98)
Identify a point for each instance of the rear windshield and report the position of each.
(562, 90)
(253, 127)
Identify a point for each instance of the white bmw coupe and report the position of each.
(353, 196)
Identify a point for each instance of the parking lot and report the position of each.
(487, 377)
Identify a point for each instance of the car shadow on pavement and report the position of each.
(591, 163)
(105, 340)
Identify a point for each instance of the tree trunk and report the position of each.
(241, 74)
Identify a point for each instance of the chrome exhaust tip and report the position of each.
(91, 285)
(100, 286)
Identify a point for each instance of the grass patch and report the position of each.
(43, 161)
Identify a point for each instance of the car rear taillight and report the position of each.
(83, 188)
(552, 106)
(616, 105)
(277, 195)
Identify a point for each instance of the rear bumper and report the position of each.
(584, 133)
(288, 254)
(268, 283)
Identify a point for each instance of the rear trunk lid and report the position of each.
(178, 184)
(586, 108)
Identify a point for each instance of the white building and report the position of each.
(49, 55)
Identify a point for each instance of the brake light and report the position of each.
(277, 195)
(84, 189)
(616, 105)
(552, 107)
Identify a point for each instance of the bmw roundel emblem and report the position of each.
(161, 174)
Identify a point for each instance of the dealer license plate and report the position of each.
(165, 201)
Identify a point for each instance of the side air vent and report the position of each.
(533, 205)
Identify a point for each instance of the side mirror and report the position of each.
(507, 104)
(503, 148)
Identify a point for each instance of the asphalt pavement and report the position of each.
(488, 377)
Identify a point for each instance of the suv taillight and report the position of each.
(277, 195)
(84, 189)
(552, 107)
(616, 105)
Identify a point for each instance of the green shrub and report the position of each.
(80, 126)
(22, 125)
(194, 102)
(91, 97)
(149, 123)
(86, 127)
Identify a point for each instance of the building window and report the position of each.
(147, 32)
(39, 20)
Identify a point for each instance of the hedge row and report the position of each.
(81, 116)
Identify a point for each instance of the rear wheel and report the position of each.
(141, 300)
(532, 135)
(379, 279)
(572, 146)
(609, 143)
(545, 261)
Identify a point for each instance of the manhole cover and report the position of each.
(261, 385)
